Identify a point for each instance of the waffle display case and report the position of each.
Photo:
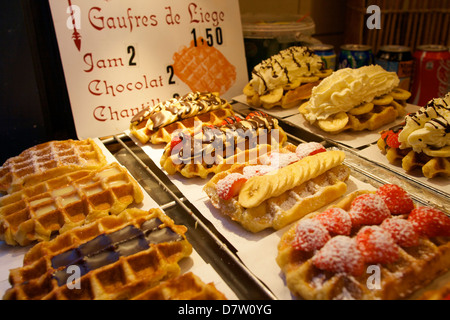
(242, 264)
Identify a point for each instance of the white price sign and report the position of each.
(122, 56)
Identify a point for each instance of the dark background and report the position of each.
(34, 104)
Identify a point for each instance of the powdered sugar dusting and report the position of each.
(305, 149)
(310, 235)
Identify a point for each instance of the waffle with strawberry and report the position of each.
(279, 187)
(422, 141)
(370, 245)
(213, 149)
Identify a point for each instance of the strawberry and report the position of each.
(256, 114)
(396, 198)
(367, 209)
(392, 139)
(376, 245)
(309, 149)
(430, 222)
(281, 160)
(340, 254)
(175, 142)
(257, 170)
(401, 231)
(230, 186)
(336, 221)
(230, 120)
(310, 235)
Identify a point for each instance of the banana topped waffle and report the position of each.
(370, 245)
(216, 148)
(115, 257)
(157, 124)
(356, 100)
(285, 79)
(204, 68)
(422, 141)
(49, 160)
(280, 187)
(60, 204)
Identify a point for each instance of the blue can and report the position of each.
(355, 56)
(326, 52)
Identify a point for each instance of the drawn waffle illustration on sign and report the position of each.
(204, 68)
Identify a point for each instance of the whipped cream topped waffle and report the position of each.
(157, 124)
(280, 187)
(370, 245)
(115, 257)
(63, 203)
(49, 160)
(216, 148)
(422, 141)
(356, 100)
(285, 79)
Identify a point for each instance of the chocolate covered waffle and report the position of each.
(370, 245)
(159, 123)
(204, 68)
(49, 160)
(280, 187)
(59, 204)
(423, 141)
(115, 257)
(285, 79)
(216, 148)
(356, 100)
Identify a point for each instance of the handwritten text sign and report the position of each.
(122, 56)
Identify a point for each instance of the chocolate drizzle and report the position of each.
(173, 110)
(439, 122)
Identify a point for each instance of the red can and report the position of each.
(431, 74)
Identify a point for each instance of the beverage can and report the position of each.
(397, 59)
(355, 56)
(431, 74)
(327, 53)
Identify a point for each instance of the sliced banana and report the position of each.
(334, 123)
(302, 109)
(362, 109)
(249, 90)
(292, 85)
(383, 100)
(400, 94)
(308, 79)
(324, 73)
(273, 96)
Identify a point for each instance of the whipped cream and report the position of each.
(347, 88)
(285, 67)
(428, 128)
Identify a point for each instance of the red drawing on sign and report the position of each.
(76, 36)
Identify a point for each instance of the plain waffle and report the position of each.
(236, 141)
(49, 160)
(415, 266)
(204, 68)
(185, 287)
(323, 181)
(62, 203)
(115, 257)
